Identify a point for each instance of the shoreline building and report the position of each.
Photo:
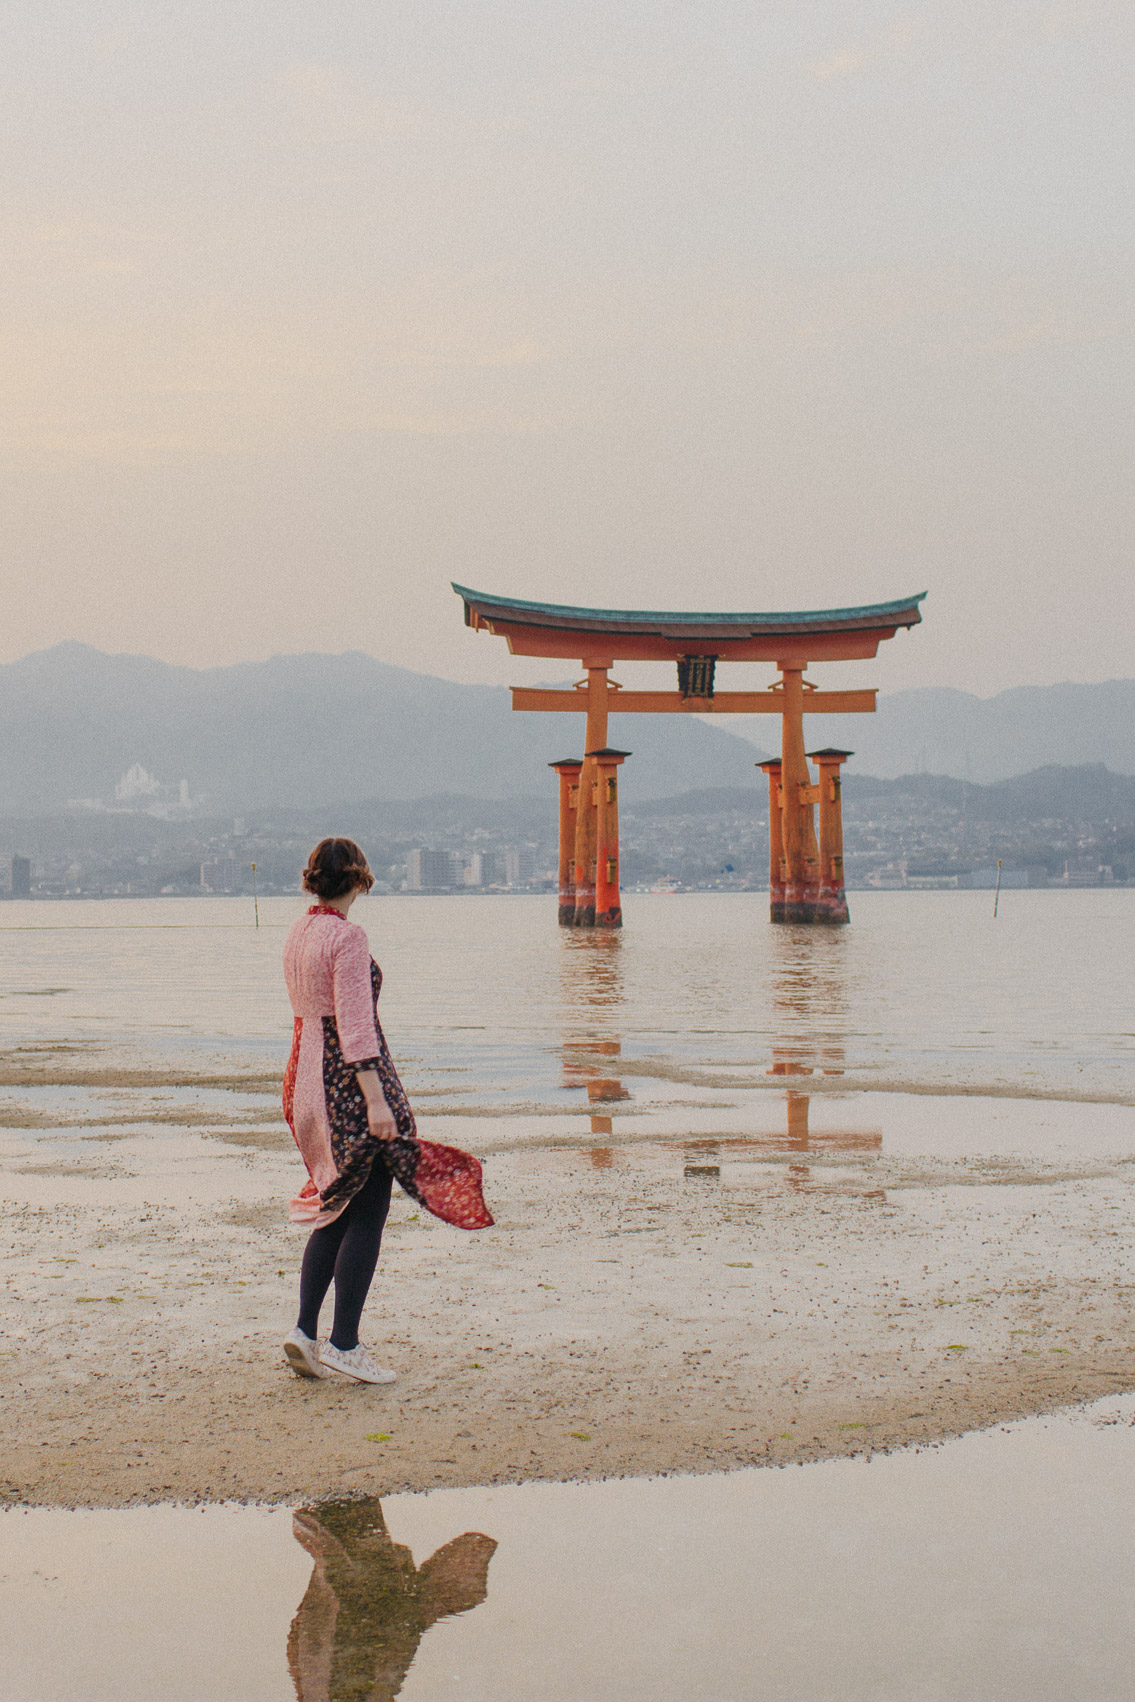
(219, 875)
(482, 869)
(431, 871)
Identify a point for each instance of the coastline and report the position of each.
(628, 1315)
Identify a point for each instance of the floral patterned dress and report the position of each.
(334, 984)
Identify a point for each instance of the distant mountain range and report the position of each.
(304, 731)
(936, 730)
(309, 730)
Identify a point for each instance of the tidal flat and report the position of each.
(762, 1195)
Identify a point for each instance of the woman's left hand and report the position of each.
(380, 1118)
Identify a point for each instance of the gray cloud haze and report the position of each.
(306, 310)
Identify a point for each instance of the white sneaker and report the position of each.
(355, 1362)
(302, 1354)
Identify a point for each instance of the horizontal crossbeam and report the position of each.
(620, 702)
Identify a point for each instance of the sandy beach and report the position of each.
(641, 1306)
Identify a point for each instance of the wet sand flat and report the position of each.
(642, 1306)
(719, 1243)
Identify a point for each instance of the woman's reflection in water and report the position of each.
(368, 1606)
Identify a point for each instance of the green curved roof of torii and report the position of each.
(904, 611)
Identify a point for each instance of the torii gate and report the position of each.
(805, 875)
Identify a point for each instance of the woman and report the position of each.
(351, 1120)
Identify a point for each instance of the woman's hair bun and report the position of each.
(335, 867)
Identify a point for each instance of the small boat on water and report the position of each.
(666, 885)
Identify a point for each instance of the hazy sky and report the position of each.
(308, 309)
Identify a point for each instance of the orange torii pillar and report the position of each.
(833, 899)
(775, 841)
(587, 811)
(586, 838)
(801, 852)
(608, 905)
(568, 769)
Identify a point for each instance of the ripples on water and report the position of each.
(486, 1000)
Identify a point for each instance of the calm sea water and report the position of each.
(486, 1000)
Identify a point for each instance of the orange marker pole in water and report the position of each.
(255, 899)
(997, 892)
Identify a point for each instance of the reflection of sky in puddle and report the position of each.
(996, 1566)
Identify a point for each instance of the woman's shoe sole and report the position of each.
(299, 1361)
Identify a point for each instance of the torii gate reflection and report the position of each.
(810, 1003)
(806, 875)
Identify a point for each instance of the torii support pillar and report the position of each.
(568, 769)
(801, 852)
(775, 842)
(832, 905)
(608, 905)
(586, 824)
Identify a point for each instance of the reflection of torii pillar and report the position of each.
(797, 1107)
(832, 905)
(568, 770)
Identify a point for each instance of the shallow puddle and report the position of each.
(998, 1568)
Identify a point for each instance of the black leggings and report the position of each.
(347, 1250)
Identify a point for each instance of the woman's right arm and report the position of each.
(353, 998)
(357, 1029)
